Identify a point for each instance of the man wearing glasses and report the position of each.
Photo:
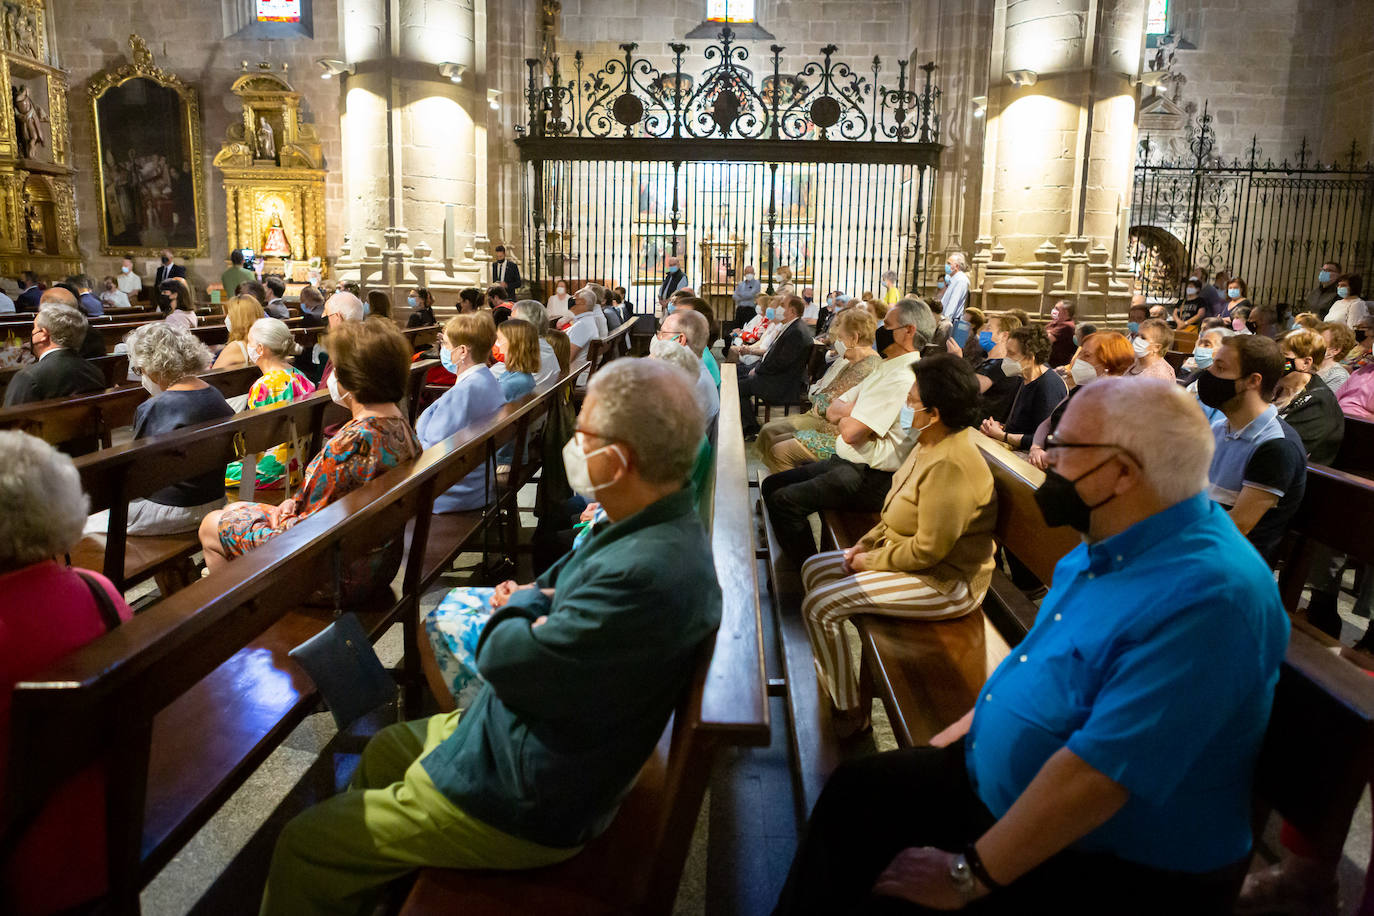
(1107, 764)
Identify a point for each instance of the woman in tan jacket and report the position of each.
(931, 555)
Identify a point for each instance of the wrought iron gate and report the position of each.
(825, 171)
(1271, 224)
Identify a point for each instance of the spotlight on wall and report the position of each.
(1022, 77)
(980, 106)
(494, 99)
(453, 72)
(333, 68)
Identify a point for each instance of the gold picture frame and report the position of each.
(150, 183)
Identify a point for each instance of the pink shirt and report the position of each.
(1356, 396)
(47, 613)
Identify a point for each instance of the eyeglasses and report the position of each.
(1053, 441)
(667, 335)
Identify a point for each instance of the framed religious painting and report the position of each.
(150, 185)
(653, 192)
(794, 247)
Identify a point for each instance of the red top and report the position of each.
(46, 613)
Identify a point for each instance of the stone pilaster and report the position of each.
(1058, 153)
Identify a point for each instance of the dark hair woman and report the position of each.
(931, 554)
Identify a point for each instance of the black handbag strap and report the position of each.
(108, 614)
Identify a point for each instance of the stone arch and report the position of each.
(1159, 261)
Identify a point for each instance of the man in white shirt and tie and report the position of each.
(504, 272)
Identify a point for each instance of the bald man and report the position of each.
(93, 343)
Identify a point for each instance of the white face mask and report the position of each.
(575, 466)
(1141, 347)
(1082, 372)
(255, 354)
(562, 290)
(1010, 367)
(839, 348)
(334, 392)
(123, 270)
(150, 386)
(228, 326)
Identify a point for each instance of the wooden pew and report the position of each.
(114, 476)
(97, 415)
(1356, 455)
(217, 652)
(635, 866)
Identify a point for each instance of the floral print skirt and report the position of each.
(454, 627)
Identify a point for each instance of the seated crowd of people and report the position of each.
(1110, 756)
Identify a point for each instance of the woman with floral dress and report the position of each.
(371, 367)
(269, 343)
(790, 442)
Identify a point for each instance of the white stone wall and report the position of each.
(186, 37)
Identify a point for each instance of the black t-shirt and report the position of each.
(996, 401)
(1282, 465)
(1034, 402)
(172, 410)
(1187, 310)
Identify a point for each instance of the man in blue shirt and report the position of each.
(1107, 764)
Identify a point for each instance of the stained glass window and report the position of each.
(278, 10)
(727, 10)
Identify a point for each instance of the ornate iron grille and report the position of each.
(826, 170)
(1271, 223)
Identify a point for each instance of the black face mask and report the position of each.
(166, 260)
(1288, 366)
(1360, 335)
(1060, 503)
(1215, 391)
(1251, 327)
(882, 340)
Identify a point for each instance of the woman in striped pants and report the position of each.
(931, 555)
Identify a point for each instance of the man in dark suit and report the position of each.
(673, 280)
(58, 331)
(505, 272)
(27, 301)
(168, 270)
(779, 376)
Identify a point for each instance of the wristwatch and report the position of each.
(962, 877)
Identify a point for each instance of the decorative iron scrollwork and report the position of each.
(827, 99)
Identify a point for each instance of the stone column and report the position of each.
(1058, 154)
(411, 145)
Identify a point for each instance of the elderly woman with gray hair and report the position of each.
(50, 610)
(168, 359)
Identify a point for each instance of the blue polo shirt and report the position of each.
(1267, 454)
(1157, 674)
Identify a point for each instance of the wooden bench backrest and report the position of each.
(1020, 526)
(1356, 455)
(1334, 513)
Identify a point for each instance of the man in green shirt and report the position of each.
(583, 668)
(236, 273)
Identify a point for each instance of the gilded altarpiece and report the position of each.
(274, 177)
(37, 195)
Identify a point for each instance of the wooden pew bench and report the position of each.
(216, 651)
(635, 866)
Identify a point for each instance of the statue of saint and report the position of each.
(28, 122)
(267, 144)
(275, 243)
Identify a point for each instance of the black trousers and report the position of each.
(873, 808)
(792, 495)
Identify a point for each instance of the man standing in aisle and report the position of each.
(504, 272)
(673, 280)
(956, 293)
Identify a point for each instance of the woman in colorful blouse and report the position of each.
(269, 344)
(790, 442)
(371, 366)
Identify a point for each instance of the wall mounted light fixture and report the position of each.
(332, 67)
(452, 72)
(1022, 77)
(980, 106)
(494, 99)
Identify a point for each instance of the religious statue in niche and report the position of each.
(28, 122)
(274, 243)
(21, 31)
(33, 225)
(267, 144)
